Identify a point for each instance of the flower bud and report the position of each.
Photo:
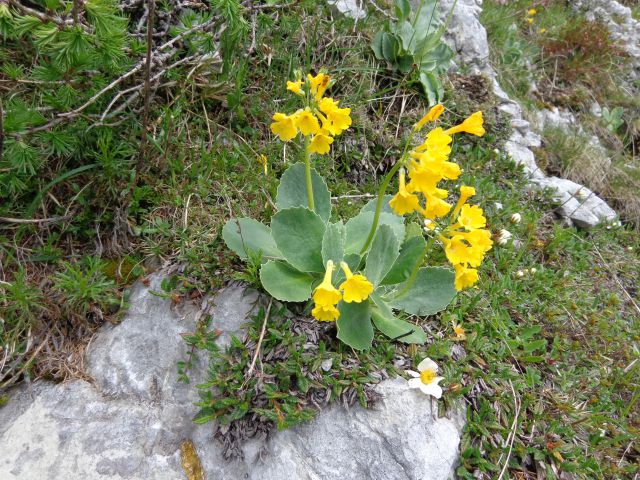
(519, 274)
(516, 218)
(503, 237)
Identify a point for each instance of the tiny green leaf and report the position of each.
(285, 283)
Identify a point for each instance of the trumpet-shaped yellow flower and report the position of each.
(480, 239)
(321, 142)
(459, 251)
(318, 84)
(356, 288)
(295, 87)
(435, 207)
(472, 125)
(306, 122)
(326, 293)
(465, 277)
(471, 218)
(325, 313)
(431, 116)
(465, 194)
(437, 140)
(284, 126)
(339, 119)
(404, 202)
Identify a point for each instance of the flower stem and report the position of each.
(414, 273)
(381, 191)
(307, 173)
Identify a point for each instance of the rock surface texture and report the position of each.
(131, 422)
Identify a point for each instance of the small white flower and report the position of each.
(533, 270)
(629, 249)
(580, 194)
(496, 151)
(503, 237)
(516, 218)
(519, 274)
(426, 378)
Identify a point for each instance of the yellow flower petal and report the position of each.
(356, 288)
(471, 218)
(306, 122)
(472, 125)
(284, 127)
(325, 313)
(431, 116)
(320, 143)
(326, 293)
(465, 277)
(295, 87)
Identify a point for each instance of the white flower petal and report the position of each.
(412, 373)
(415, 382)
(431, 389)
(428, 364)
(437, 380)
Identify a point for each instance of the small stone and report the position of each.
(326, 364)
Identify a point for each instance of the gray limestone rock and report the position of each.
(584, 208)
(131, 421)
(349, 8)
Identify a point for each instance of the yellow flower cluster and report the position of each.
(356, 288)
(531, 13)
(322, 118)
(466, 241)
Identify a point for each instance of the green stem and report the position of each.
(307, 173)
(381, 192)
(416, 268)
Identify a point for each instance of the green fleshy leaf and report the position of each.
(431, 292)
(246, 233)
(354, 324)
(285, 283)
(292, 191)
(392, 326)
(333, 243)
(298, 235)
(384, 251)
(411, 253)
(358, 229)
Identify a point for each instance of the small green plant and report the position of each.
(302, 248)
(413, 45)
(613, 118)
(84, 286)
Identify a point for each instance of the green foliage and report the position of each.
(306, 243)
(292, 191)
(413, 45)
(84, 286)
(613, 118)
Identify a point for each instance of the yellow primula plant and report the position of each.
(361, 272)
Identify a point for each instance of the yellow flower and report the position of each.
(465, 277)
(480, 239)
(306, 122)
(262, 160)
(326, 293)
(431, 116)
(356, 288)
(471, 218)
(426, 378)
(459, 332)
(438, 140)
(435, 207)
(465, 193)
(284, 126)
(530, 19)
(320, 142)
(295, 87)
(318, 84)
(325, 313)
(542, 30)
(531, 12)
(472, 125)
(404, 202)
(458, 251)
(339, 119)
